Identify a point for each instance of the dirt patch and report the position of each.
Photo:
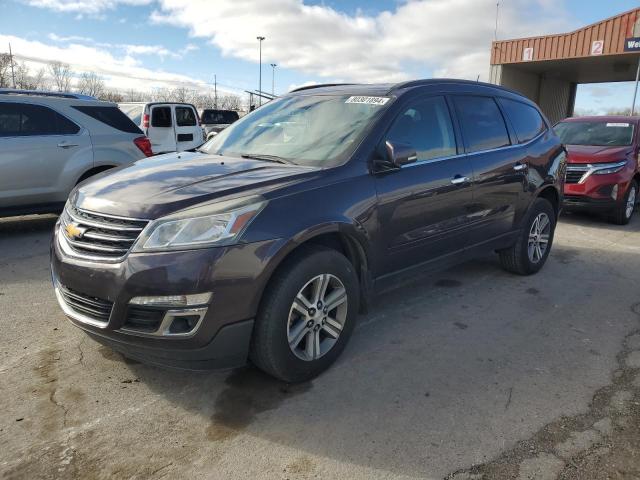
(249, 393)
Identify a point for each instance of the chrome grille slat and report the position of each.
(99, 304)
(99, 237)
(95, 308)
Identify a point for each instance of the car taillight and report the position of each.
(144, 145)
(145, 120)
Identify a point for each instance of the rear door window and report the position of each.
(161, 117)
(426, 126)
(185, 117)
(23, 119)
(526, 120)
(482, 124)
(112, 116)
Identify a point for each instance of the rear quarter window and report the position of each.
(525, 119)
(111, 116)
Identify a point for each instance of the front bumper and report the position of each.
(235, 275)
(596, 191)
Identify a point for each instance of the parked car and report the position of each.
(171, 127)
(50, 142)
(603, 169)
(214, 121)
(266, 242)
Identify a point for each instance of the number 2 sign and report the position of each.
(597, 46)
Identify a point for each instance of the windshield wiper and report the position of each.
(267, 158)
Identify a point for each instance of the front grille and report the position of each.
(144, 319)
(98, 236)
(93, 307)
(575, 173)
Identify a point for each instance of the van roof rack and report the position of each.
(41, 93)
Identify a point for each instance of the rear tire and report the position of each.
(292, 309)
(624, 212)
(531, 250)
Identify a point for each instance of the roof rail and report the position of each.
(40, 93)
(320, 85)
(432, 81)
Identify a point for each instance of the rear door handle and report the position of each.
(459, 180)
(519, 167)
(67, 145)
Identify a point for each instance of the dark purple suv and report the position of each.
(265, 242)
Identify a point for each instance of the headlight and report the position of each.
(183, 232)
(606, 168)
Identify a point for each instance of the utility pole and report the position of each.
(495, 32)
(635, 90)
(260, 39)
(13, 75)
(215, 91)
(273, 78)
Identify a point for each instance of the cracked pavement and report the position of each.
(471, 373)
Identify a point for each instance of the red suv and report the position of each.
(603, 171)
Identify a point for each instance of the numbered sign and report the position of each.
(597, 47)
(527, 54)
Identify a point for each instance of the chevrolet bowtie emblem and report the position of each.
(74, 231)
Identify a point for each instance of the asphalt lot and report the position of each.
(472, 373)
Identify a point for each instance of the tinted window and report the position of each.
(600, 133)
(525, 119)
(185, 117)
(111, 116)
(426, 126)
(134, 112)
(161, 117)
(482, 124)
(18, 119)
(219, 116)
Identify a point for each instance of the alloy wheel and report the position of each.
(539, 237)
(631, 201)
(317, 317)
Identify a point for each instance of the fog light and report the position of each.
(173, 300)
(614, 192)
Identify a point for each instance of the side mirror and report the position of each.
(400, 153)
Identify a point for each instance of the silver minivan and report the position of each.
(49, 142)
(170, 126)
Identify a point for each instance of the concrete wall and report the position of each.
(554, 96)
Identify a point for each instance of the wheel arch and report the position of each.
(550, 194)
(94, 171)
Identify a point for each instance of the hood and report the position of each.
(597, 154)
(157, 186)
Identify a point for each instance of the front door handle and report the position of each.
(459, 180)
(67, 145)
(519, 167)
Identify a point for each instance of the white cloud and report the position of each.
(418, 38)
(83, 7)
(120, 72)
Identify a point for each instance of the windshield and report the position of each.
(596, 133)
(308, 130)
(219, 116)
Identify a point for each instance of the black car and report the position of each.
(214, 121)
(266, 242)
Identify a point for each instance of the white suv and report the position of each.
(170, 126)
(49, 142)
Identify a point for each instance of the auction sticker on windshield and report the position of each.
(368, 100)
(617, 124)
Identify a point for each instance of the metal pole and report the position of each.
(13, 75)
(215, 92)
(635, 90)
(260, 39)
(273, 79)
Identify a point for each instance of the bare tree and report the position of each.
(230, 102)
(5, 70)
(61, 75)
(112, 96)
(27, 81)
(91, 84)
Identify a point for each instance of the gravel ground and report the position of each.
(469, 374)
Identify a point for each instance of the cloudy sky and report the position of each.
(155, 43)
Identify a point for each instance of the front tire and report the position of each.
(623, 213)
(531, 250)
(307, 315)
